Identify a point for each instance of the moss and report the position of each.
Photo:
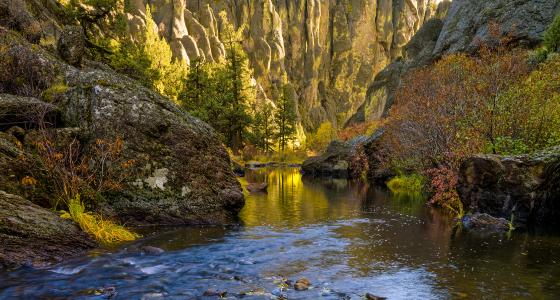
(50, 95)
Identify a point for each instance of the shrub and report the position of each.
(359, 164)
(407, 184)
(321, 138)
(443, 184)
(552, 36)
(452, 109)
(362, 129)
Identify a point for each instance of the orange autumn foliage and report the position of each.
(447, 111)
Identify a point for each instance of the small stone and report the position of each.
(373, 297)
(214, 293)
(257, 187)
(302, 284)
(150, 250)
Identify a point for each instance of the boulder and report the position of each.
(485, 222)
(32, 235)
(469, 23)
(181, 172)
(333, 163)
(525, 189)
(257, 187)
(71, 45)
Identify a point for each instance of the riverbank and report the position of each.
(346, 238)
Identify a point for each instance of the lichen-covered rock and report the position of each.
(524, 188)
(32, 235)
(71, 45)
(181, 172)
(470, 23)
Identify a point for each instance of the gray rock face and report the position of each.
(71, 45)
(182, 173)
(467, 24)
(525, 188)
(35, 236)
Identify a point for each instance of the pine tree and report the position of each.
(286, 118)
(197, 95)
(239, 91)
(150, 60)
(263, 127)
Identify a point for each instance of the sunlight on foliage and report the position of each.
(409, 184)
(319, 140)
(104, 231)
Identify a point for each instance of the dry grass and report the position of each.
(104, 231)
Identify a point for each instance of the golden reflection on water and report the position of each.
(293, 200)
(401, 234)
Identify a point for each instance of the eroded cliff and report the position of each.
(327, 51)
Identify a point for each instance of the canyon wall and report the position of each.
(327, 51)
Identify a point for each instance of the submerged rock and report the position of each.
(32, 235)
(524, 188)
(485, 222)
(151, 250)
(214, 293)
(373, 297)
(257, 187)
(302, 284)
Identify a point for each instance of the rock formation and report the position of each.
(525, 189)
(36, 236)
(467, 24)
(327, 51)
(182, 173)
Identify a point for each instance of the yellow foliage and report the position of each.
(104, 231)
(321, 139)
(28, 181)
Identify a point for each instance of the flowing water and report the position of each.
(347, 238)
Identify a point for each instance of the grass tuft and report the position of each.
(104, 231)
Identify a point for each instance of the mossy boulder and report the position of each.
(34, 236)
(181, 171)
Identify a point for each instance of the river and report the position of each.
(346, 238)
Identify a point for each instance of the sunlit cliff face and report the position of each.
(328, 51)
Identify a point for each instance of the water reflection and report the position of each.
(348, 238)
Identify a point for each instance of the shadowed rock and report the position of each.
(525, 188)
(35, 236)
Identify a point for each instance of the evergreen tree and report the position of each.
(263, 127)
(198, 96)
(236, 83)
(285, 118)
(150, 60)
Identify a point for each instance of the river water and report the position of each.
(346, 238)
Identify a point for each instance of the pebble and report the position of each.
(150, 250)
(373, 297)
(302, 284)
(214, 293)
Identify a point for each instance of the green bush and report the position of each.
(407, 184)
(552, 36)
